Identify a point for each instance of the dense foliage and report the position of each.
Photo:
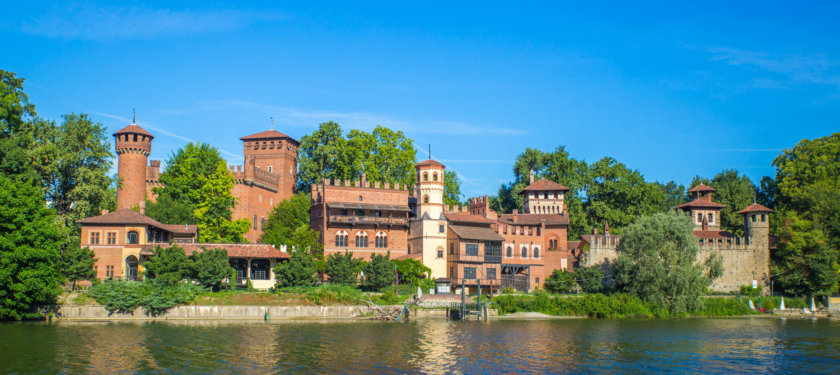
(198, 180)
(153, 296)
(169, 265)
(658, 262)
(590, 279)
(736, 192)
(298, 271)
(452, 195)
(76, 264)
(413, 272)
(29, 250)
(211, 268)
(378, 272)
(560, 282)
(287, 217)
(343, 269)
(384, 155)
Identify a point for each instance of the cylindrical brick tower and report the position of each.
(133, 145)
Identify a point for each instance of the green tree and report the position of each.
(412, 271)
(560, 282)
(658, 262)
(29, 250)
(211, 267)
(298, 271)
(285, 219)
(342, 268)
(674, 195)
(169, 265)
(76, 263)
(169, 211)
(17, 127)
(321, 156)
(308, 240)
(617, 195)
(452, 189)
(805, 262)
(214, 209)
(590, 279)
(736, 192)
(378, 273)
(73, 161)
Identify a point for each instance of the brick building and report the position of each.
(361, 217)
(268, 175)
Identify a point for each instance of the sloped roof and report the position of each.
(573, 245)
(701, 203)
(534, 219)
(430, 162)
(466, 217)
(134, 129)
(268, 134)
(127, 216)
(475, 233)
(544, 185)
(755, 207)
(418, 256)
(235, 250)
(701, 188)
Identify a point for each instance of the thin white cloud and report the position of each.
(88, 21)
(798, 68)
(158, 129)
(310, 118)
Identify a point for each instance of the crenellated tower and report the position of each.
(133, 145)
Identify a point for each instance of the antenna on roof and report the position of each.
(133, 116)
(272, 123)
(430, 151)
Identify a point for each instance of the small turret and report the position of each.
(756, 222)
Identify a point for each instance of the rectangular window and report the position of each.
(440, 254)
(699, 217)
(711, 218)
(472, 249)
(539, 231)
(452, 272)
(441, 228)
(112, 238)
(491, 274)
(94, 238)
(469, 273)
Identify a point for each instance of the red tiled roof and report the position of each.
(573, 245)
(544, 185)
(429, 162)
(127, 216)
(712, 234)
(534, 219)
(235, 250)
(133, 129)
(466, 217)
(268, 134)
(475, 233)
(701, 188)
(701, 203)
(418, 256)
(755, 207)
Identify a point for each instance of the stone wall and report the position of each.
(191, 312)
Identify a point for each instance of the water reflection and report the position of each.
(425, 346)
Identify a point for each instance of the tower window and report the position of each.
(442, 228)
(269, 168)
(361, 239)
(262, 223)
(524, 252)
(434, 176)
(509, 252)
(763, 218)
(753, 218)
(425, 176)
(255, 222)
(135, 138)
(425, 199)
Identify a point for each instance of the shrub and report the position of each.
(342, 269)
(334, 294)
(298, 271)
(211, 267)
(378, 273)
(560, 282)
(169, 265)
(750, 291)
(153, 296)
(590, 279)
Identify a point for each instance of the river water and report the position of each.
(744, 345)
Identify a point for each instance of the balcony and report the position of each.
(486, 258)
(369, 220)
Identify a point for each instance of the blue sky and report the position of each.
(672, 90)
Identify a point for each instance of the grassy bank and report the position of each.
(613, 306)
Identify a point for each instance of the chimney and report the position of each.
(607, 228)
(531, 177)
(364, 179)
(142, 207)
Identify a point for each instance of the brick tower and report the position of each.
(274, 152)
(428, 232)
(133, 145)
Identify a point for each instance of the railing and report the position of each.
(463, 256)
(367, 220)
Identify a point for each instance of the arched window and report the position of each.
(361, 239)
(341, 238)
(425, 176)
(131, 268)
(509, 252)
(434, 176)
(536, 253)
(255, 222)
(524, 252)
(262, 223)
(425, 199)
(381, 240)
(552, 244)
(133, 238)
(269, 168)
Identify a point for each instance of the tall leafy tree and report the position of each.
(321, 155)
(17, 128)
(452, 189)
(658, 262)
(674, 195)
(285, 219)
(298, 271)
(29, 250)
(590, 279)
(76, 264)
(214, 209)
(412, 271)
(805, 262)
(617, 195)
(736, 192)
(169, 265)
(560, 282)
